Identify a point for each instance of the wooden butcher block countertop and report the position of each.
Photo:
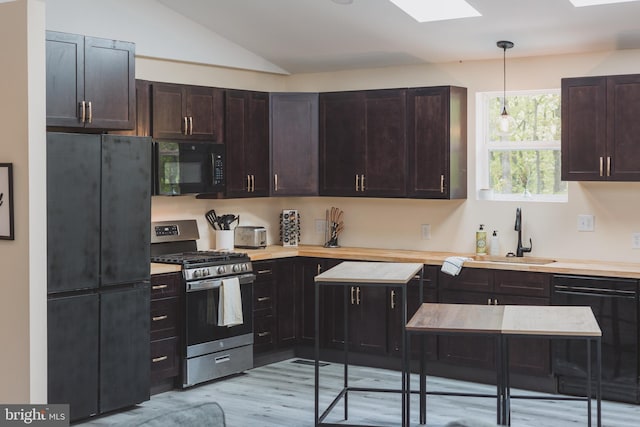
(562, 266)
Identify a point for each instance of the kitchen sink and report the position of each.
(513, 259)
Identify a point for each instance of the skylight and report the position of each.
(437, 10)
(581, 3)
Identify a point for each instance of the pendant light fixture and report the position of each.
(505, 121)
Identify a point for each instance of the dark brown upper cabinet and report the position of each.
(90, 82)
(294, 144)
(600, 128)
(247, 143)
(437, 142)
(187, 112)
(363, 143)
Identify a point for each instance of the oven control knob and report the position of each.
(221, 269)
(244, 267)
(205, 272)
(236, 268)
(196, 274)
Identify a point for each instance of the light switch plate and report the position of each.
(425, 231)
(321, 225)
(586, 222)
(635, 240)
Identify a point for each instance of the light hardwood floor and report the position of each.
(281, 395)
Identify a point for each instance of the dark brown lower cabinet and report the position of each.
(530, 356)
(165, 330)
(396, 326)
(264, 331)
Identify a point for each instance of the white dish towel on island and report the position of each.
(453, 264)
(230, 304)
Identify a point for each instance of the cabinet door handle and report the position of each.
(264, 334)
(159, 359)
(441, 183)
(83, 111)
(362, 182)
(248, 183)
(601, 165)
(90, 106)
(352, 299)
(158, 287)
(488, 301)
(393, 299)
(608, 166)
(263, 299)
(319, 268)
(253, 183)
(275, 181)
(495, 301)
(158, 318)
(186, 126)
(358, 295)
(190, 125)
(357, 182)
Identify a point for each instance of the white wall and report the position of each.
(395, 223)
(158, 32)
(23, 260)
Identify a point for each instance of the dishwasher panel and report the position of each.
(615, 305)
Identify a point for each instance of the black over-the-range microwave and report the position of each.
(188, 167)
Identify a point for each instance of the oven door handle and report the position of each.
(202, 285)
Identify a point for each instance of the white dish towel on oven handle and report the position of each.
(230, 304)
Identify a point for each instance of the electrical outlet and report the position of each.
(321, 225)
(586, 222)
(425, 231)
(635, 240)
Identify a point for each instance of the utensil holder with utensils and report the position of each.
(335, 225)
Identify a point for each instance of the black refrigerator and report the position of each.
(98, 243)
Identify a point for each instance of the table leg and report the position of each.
(406, 389)
(423, 381)
(589, 381)
(499, 379)
(506, 382)
(599, 380)
(316, 352)
(346, 353)
(405, 353)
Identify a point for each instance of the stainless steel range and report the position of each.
(211, 350)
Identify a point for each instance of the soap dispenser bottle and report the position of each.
(481, 241)
(494, 246)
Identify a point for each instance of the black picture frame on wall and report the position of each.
(6, 201)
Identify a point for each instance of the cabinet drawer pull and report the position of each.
(362, 182)
(601, 165)
(393, 299)
(275, 181)
(357, 182)
(263, 299)
(441, 183)
(253, 183)
(608, 166)
(186, 126)
(190, 125)
(159, 359)
(83, 111)
(90, 112)
(264, 271)
(158, 287)
(264, 334)
(159, 318)
(352, 299)
(358, 295)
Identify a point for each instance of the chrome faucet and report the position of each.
(521, 249)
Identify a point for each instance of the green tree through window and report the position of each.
(524, 164)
